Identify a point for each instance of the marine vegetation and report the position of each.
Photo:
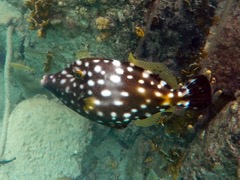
(39, 16)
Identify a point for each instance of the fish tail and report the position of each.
(199, 93)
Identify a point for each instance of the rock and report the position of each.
(45, 137)
(215, 154)
(7, 12)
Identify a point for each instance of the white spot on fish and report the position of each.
(74, 84)
(96, 60)
(159, 86)
(130, 77)
(64, 72)
(81, 86)
(130, 69)
(72, 101)
(148, 114)
(78, 62)
(51, 77)
(148, 100)
(158, 94)
(89, 92)
(97, 102)
(99, 113)
(163, 83)
(141, 81)
(67, 89)
(124, 93)
(141, 90)
(106, 61)
(143, 106)
(106, 93)
(53, 80)
(103, 72)
(170, 95)
(115, 78)
(131, 64)
(180, 94)
(186, 103)
(86, 64)
(63, 81)
(71, 80)
(98, 69)
(89, 73)
(116, 63)
(119, 71)
(145, 74)
(113, 114)
(126, 115)
(118, 103)
(100, 81)
(91, 82)
(126, 120)
(69, 76)
(166, 103)
(134, 110)
(152, 83)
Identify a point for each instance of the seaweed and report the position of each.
(39, 16)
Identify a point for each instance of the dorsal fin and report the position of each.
(157, 68)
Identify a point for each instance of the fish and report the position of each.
(114, 93)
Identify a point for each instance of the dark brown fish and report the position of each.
(114, 93)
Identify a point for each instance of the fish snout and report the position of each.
(44, 80)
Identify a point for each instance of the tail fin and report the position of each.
(199, 92)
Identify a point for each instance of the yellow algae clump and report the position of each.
(139, 32)
(102, 23)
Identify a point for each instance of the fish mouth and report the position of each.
(44, 81)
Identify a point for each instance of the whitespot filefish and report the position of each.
(114, 93)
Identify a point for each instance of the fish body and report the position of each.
(114, 93)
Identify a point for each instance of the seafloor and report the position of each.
(46, 140)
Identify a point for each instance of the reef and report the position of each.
(39, 16)
(214, 154)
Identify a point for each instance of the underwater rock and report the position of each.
(8, 12)
(215, 153)
(223, 49)
(45, 137)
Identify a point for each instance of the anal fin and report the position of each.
(150, 121)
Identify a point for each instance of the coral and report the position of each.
(102, 23)
(39, 16)
(139, 32)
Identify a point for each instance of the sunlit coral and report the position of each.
(102, 23)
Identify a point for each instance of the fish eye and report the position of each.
(78, 74)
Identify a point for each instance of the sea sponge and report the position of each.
(102, 23)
